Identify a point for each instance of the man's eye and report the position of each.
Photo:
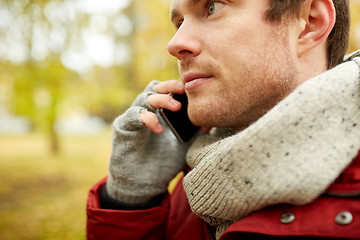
(178, 24)
(213, 7)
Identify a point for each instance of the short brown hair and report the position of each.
(338, 39)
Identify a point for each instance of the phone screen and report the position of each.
(179, 121)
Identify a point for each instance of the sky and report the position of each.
(96, 44)
(99, 48)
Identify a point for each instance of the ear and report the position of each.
(319, 17)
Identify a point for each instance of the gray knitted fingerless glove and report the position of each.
(142, 163)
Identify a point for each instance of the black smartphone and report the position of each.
(179, 121)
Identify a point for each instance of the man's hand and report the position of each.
(145, 156)
(162, 100)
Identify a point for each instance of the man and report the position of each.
(282, 155)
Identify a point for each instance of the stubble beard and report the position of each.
(239, 109)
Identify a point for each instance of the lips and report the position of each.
(194, 80)
(188, 77)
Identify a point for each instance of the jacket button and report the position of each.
(344, 218)
(287, 218)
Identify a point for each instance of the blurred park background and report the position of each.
(67, 69)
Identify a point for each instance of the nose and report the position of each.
(185, 42)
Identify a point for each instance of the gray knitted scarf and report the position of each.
(290, 155)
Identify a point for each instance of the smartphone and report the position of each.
(179, 121)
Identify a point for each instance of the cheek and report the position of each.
(241, 50)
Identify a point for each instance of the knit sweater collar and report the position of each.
(290, 155)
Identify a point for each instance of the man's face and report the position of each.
(235, 64)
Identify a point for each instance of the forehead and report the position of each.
(185, 3)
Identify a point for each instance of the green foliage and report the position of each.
(38, 89)
(154, 30)
(38, 85)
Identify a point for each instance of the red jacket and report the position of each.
(336, 214)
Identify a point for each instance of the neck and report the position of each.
(313, 63)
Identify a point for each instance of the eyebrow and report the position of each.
(195, 2)
(190, 3)
(174, 14)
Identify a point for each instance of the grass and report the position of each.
(44, 196)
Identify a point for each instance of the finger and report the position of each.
(171, 86)
(163, 101)
(151, 121)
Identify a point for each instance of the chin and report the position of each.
(198, 119)
(206, 118)
(211, 113)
